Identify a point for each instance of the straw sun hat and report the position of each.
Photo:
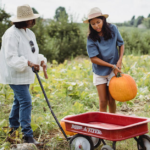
(95, 12)
(24, 13)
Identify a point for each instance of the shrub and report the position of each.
(136, 41)
(67, 38)
(146, 22)
(4, 22)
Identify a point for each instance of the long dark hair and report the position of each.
(106, 31)
(23, 24)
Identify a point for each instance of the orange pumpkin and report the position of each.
(64, 128)
(123, 87)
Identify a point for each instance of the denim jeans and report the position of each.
(21, 110)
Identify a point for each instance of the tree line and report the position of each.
(61, 38)
(136, 21)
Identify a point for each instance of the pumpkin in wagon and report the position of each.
(123, 87)
(64, 128)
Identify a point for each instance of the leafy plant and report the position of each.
(69, 41)
(4, 22)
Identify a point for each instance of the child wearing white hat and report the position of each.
(102, 47)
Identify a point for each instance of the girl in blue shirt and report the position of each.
(102, 49)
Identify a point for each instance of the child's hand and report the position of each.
(116, 70)
(119, 64)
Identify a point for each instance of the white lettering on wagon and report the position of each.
(96, 131)
(85, 129)
(76, 127)
(91, 130)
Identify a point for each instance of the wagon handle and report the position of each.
(48, 103)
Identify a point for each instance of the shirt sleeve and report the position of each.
(19, 63)
(119, 37)
(92, 48)
(41, 58)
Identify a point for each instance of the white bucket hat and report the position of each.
(24, 13)
(95, 12)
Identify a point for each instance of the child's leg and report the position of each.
(103, 97)
(111, 103)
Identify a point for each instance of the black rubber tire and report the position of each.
(106, 147)
(142, 137)
(97, 144)
(83, 136)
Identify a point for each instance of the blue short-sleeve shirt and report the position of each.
(105, 50)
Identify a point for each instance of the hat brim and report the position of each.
(16, 19)
(87, 21)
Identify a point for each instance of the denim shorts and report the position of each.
(102, 79)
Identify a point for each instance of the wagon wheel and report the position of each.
(144, 142)
(106, 147)
(81, 142)
(96, 141)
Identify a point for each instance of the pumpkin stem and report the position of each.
(118, 74)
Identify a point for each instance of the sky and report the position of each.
(118, 10)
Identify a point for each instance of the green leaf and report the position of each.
(34, 126)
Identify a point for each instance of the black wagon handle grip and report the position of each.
(35, 71)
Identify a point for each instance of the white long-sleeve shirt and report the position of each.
(14, 56)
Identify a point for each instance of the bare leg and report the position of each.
(111, 103)
(103, 97)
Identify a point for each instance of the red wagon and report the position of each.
(92, 128)
(106, 126)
